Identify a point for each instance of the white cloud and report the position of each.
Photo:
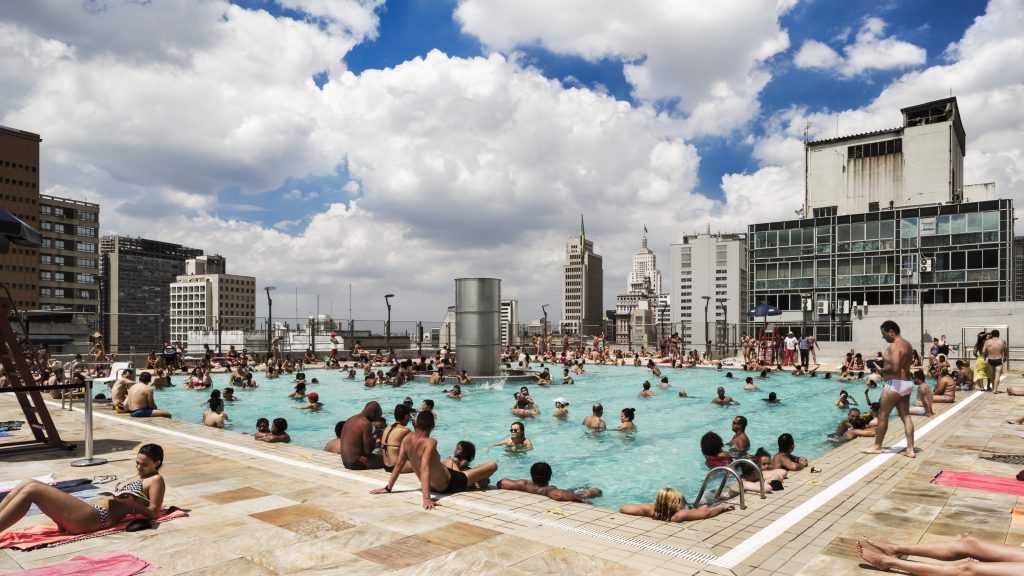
(869, 51)
(814, 54)
(664, 47)
(986, 74)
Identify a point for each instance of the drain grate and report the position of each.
(1006, 458)
(623, 540)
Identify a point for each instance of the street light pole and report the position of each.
(707, 300)
(270, 316)
(725, 326)
(544, 326)
(920, 300)
(387, 326)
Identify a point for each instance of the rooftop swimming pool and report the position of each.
(627, 466)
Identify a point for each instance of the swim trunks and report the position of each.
(142, 413)
(995, 362)
(457, 482)
(901, 387)
(716, 461)
(361, 463)
(943, 398)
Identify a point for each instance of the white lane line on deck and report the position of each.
(772, 531)
(577, 529)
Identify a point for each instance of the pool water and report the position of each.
(627, 466)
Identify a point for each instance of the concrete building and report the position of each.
(887, 220)
(1018, 268)
(509, 318)
(68, 275)
(711, 266)
(19, 195)
(582, 311)
(643, 285)
(136, 275)
(206, 297)
(920, 162)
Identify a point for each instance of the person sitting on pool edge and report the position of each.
(357, 442)
(713, 448)
(140, 402)
(419, 447)
(539, 483)
(670, 506)
(785, 458)
(391, 439)
(461, 459)
(143, 496)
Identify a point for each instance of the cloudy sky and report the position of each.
(396, 146)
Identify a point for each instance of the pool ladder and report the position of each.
(728, 471)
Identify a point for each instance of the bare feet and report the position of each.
(883, 547)
(872, 450)
(876, 559)
(909, 453)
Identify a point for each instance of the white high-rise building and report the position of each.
(643, 285)
(207, 298)
(579, 308)
(509, 318)
(711, 266)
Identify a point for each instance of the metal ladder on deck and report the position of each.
(19, 375)
(728, 471)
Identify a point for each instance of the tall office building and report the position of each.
(136, 275)
(643, 285)
(709, 269)
(69, 257)
(206, 297)
(1018, 268)
(887, 218)
(582, 312)
(19, 195)
(509, 318)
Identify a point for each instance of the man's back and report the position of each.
(995, 348)
(353, 438)
(138, 397)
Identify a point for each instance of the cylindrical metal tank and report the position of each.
(478, 337)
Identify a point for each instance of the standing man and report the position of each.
(995, 351)
(170, 354)
(805, 351)
(898, 385)
(790, 349)
(334, 345)
(813, 346)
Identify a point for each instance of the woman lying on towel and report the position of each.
(143, 496)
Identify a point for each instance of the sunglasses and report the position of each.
(515, 430)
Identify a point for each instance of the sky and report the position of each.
(395, 146)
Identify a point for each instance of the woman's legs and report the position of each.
(68, 512)
(962, 568)
(481, 473)
(959, 549)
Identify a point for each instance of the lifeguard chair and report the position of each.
(765, 349)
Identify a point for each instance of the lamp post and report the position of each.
(920, 299)
(387, 326)
(725, 326)
(707, 300)
(544, 326)
(270, 316)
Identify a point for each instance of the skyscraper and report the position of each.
(136, 275)
(643, 285)
(19, 195)
(206, 297)
(709, 270)
(582, 288)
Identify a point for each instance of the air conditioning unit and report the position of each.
(844, 306)
(926, 264)
(823, 307)
(906, 272)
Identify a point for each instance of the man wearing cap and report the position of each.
(314, 402)
(561, 407)
(790, 349)
(170, 357)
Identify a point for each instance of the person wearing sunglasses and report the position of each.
(517, 440)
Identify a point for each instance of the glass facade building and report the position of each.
(828, 265)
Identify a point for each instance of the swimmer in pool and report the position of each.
(517, 440)
(626, 417)
(670, 506)
(772, 398)
(539, 483)
(647, 390)
(594, 421)
(750, 385)
(721, 399)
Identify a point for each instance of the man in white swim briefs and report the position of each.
(895, 370)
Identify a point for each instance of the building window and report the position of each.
(86, 247)
(873, 149)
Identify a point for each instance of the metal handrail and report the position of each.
(760, 476)
(727, 471)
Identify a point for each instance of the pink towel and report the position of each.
(112, 563)
(46, 535)
(984, 482)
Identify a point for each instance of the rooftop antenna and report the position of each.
(807, 128)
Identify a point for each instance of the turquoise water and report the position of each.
(629, 467)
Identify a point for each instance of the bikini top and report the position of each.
(134, 487)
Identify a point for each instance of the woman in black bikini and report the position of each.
(143, 496)
(391, 441)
